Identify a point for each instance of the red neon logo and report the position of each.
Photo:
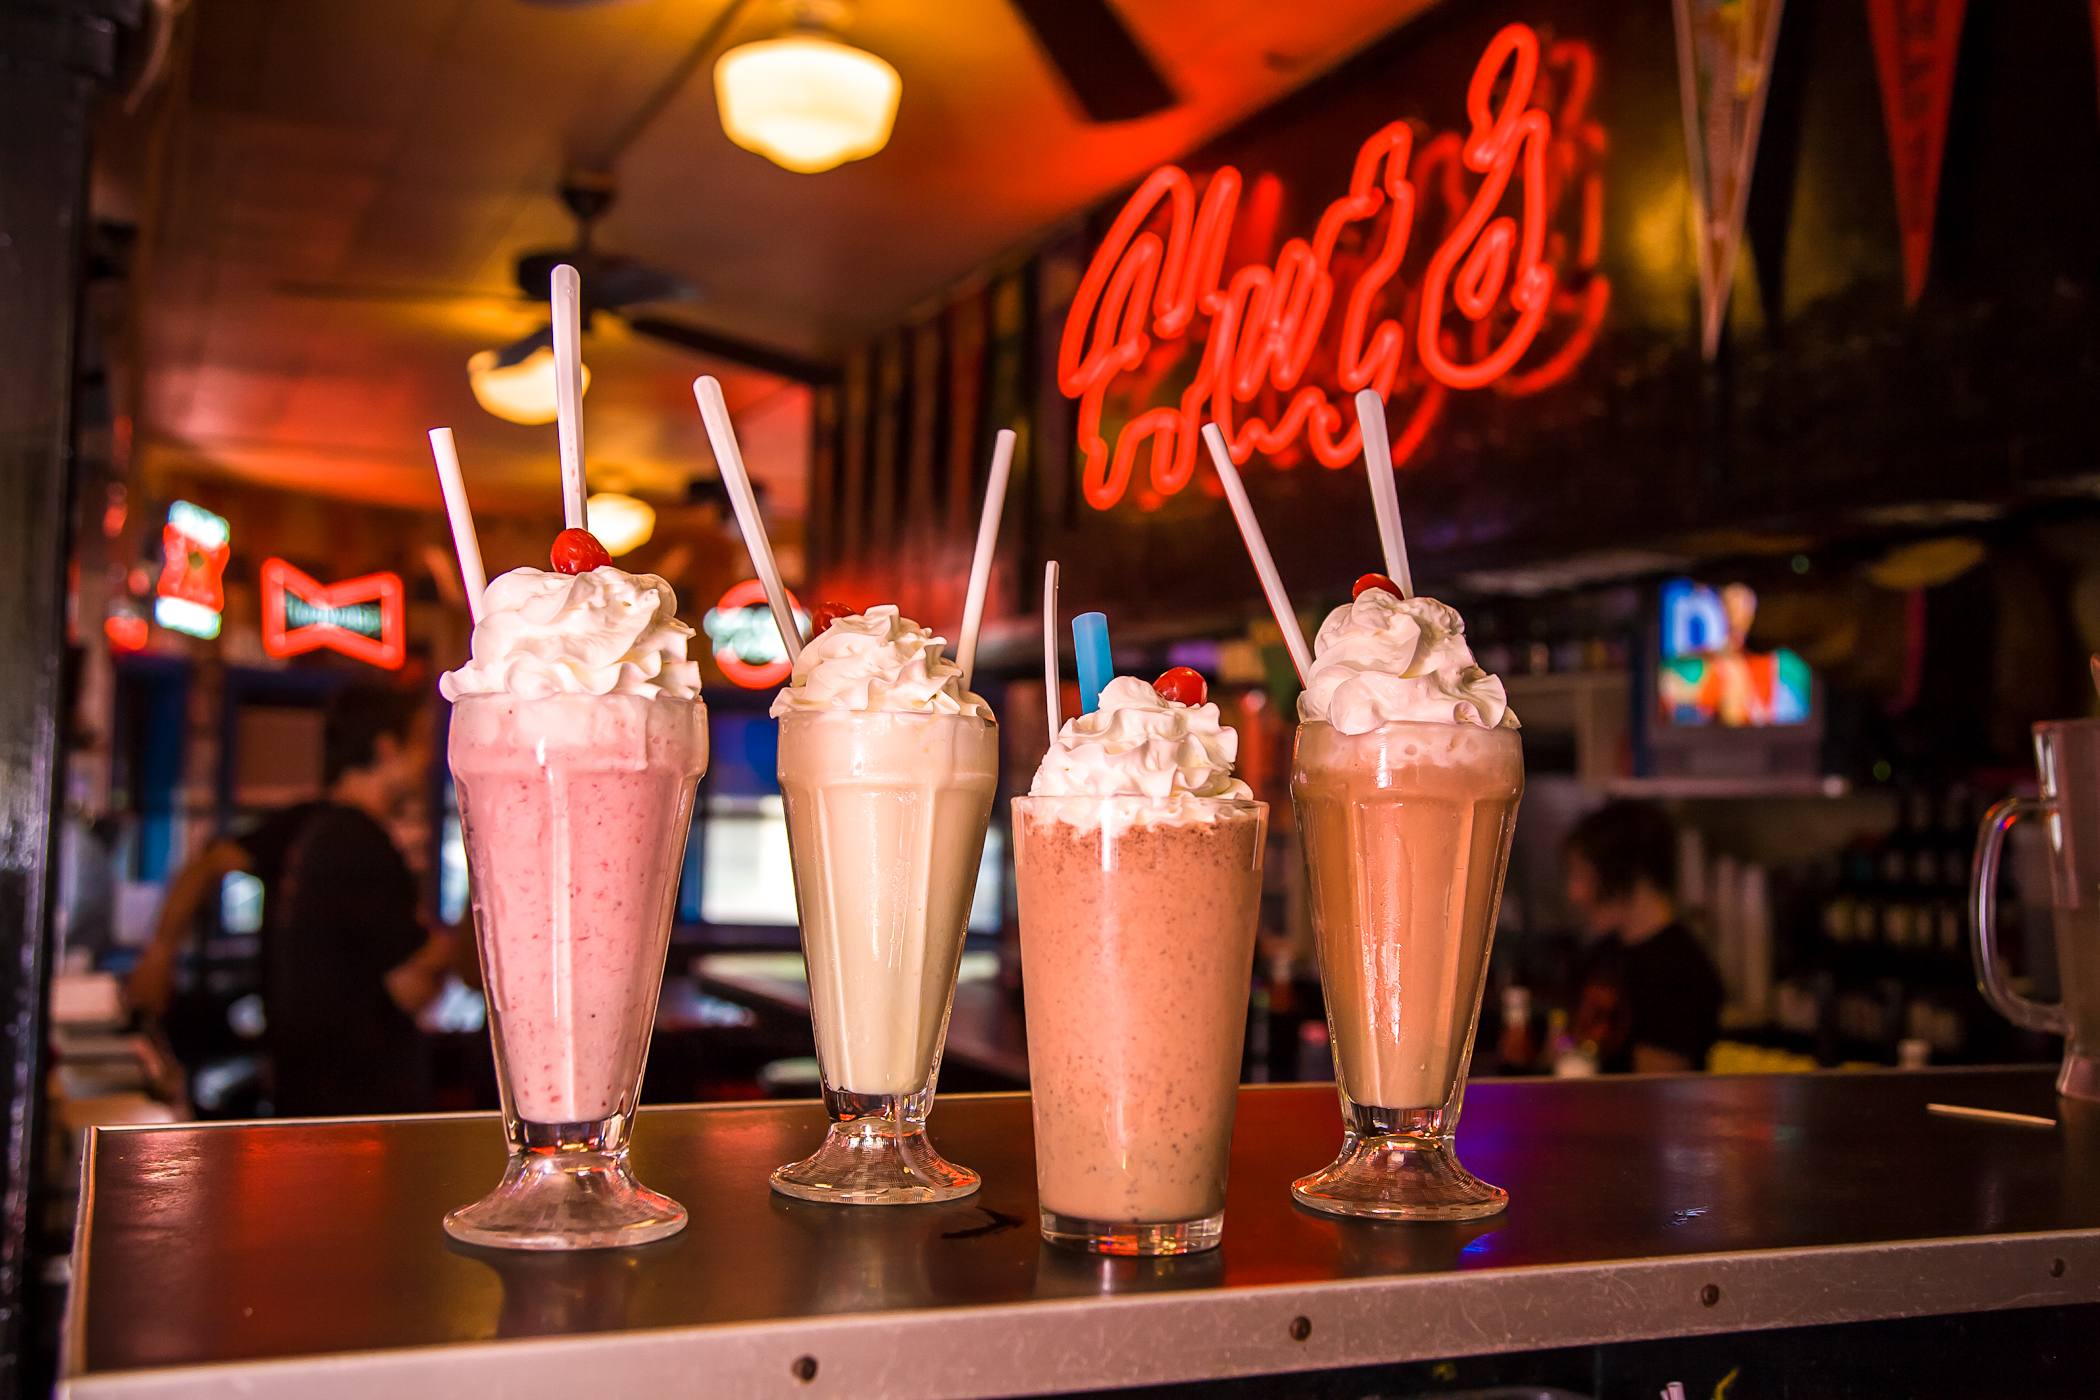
(1269, 325)
(741, 624)
(126, 632)
(194, 548)
(363, 618)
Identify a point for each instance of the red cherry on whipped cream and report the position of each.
(1374, 581)
(825, 615)
(1181, 686)
(578, 552)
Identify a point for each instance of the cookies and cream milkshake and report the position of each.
(1406, 782)
(1138, 857)
(887, 772)
(577, 739)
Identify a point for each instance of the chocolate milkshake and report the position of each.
(1138, 858)
(1406, 783)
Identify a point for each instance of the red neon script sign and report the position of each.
(363, 618)
(1504, 273)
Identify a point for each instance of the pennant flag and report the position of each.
(1724, 70)
(363, 618)
(1915, 42)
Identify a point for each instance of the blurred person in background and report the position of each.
(1647, 994)
(347, 958)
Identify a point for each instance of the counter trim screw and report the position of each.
(1301, 1328)
(1710, 1295)
(805, 1369)
(2056, 1268)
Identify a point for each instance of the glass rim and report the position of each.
(1247, 804)
(1438, 725)
(480, 696)
(802, 712)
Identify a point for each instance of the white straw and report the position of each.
(714, 411)
(1050, 691)
(568, 392)
(465, 543)
(981, 561)
(1385, 496)
(1258, 550)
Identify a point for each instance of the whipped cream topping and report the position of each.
(1171, 759)
(601, 632)
(877, 660)
(1383, 658)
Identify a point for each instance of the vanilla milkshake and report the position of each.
(887, 771)
(1138, 857)
(577, 739)
(1406, 783)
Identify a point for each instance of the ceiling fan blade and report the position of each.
(785, 363)
(617, 282)
(1100, 60)
(377, 292)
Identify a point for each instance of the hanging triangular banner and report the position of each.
(1915, 43)
(1724, 69)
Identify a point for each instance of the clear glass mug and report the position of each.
(2067, 755)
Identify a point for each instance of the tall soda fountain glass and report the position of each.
(887, 771)
(578, 737)
(1138, 857)
(1406, 783)
(2067, 756)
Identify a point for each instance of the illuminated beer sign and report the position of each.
(363, 618)
(746, 641)
(1508, 297)
(194, 547)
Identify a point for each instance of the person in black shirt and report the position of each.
(347, 961)
(1648, 998)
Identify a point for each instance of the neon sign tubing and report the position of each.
(1266, 323)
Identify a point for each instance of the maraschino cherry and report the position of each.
(578, 552)
(1181, 686)
(1369, 581)
(826, 614)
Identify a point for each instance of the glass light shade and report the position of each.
(621, 523)
(806, 102)
(520, 393)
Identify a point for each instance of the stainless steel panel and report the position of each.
(307, 1258)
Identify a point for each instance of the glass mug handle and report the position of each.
(1983, 921)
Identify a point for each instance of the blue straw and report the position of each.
(1090, 640)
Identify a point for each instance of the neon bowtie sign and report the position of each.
(1518, 324)
(363, 618)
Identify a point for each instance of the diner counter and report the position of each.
(307, 1258)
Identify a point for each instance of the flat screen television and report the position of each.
(1719, 709)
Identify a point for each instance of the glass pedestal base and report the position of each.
(1398, 1164)
(876, 1154)
(1126, 1237)
(574, 1198)
(2080, 1076)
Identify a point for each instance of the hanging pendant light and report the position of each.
(520, 393)
(805, 101)
(621, 522)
